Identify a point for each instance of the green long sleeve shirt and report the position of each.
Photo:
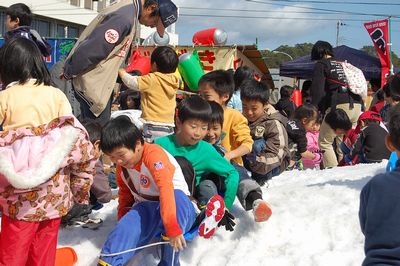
(205, 159)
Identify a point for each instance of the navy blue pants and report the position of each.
(142, 225)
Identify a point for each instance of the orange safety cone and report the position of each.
(65, 256)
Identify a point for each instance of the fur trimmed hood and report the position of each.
(31, 156)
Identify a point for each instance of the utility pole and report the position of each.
(338, 24)
(337, 33)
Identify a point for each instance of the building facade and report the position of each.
(48, 27)
(68, 18)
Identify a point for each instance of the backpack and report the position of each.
(349, 77)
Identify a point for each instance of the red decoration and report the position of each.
(379, 33)
(139, 62)
(209, 37)
(297, 97)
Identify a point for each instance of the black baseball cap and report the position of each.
(168, 15)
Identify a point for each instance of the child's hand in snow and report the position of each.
(178, 243)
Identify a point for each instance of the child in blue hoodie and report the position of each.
(380, 207)
(18, 24)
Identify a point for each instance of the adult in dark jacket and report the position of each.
(380, 208)
(327, 95)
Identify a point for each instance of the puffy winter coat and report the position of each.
(45, 169)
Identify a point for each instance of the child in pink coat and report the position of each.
(46, 158)
(312, 146)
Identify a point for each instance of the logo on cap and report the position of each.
(169, 20)
(168, 12)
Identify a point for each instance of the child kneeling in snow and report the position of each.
(270, 154)
(340, 123)
(369, 146)
(380, 209)
(249, 191)
(193, 117)
(153, 196)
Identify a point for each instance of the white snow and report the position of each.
(314, 222)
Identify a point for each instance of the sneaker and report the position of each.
(93, 224)
(261, 211)
(90, 223)
(215, 211)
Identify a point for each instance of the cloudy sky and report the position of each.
(287, 22)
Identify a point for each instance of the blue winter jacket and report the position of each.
(31, 34)
(380, 219)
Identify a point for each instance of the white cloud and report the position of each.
(245, 30)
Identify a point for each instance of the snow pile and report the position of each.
(314, 222)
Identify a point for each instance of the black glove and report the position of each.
(227, 221)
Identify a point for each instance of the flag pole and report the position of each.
(390, 45)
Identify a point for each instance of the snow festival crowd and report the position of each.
(178, 158)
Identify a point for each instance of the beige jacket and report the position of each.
(99, 52)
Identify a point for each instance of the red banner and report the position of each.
(379, 33)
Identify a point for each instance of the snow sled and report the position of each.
(65, 256)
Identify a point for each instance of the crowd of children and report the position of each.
(179, 167)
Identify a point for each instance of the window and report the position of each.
(43, 27)
(60, 31)
(73, 32)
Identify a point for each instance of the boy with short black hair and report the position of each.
(153, 195)
(339, 121)
(18, 22)
(158, 93)
(218, 86)
(192, 121)
(164, 59)
(249, 192)
(379, 211)
(285, 105)
(270, 155)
